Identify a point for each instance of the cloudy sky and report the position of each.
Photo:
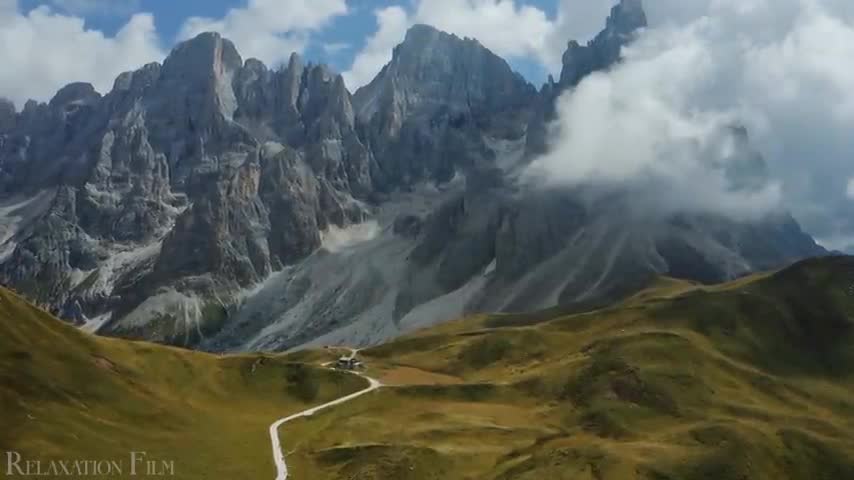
(51, 41)
(781, 68)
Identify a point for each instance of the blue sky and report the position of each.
(346, 32)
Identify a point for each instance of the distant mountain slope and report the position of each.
(68, 395)
(751, 379)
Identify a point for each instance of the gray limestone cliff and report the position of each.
(432, 110)
(202, 175)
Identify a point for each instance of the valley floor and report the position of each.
(748, 380)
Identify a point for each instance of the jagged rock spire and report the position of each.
(621, 27)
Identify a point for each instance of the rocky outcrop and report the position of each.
(181, 173)
(627, 18)
(48, 253)
(428, 111)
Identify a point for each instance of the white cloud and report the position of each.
(392, 23)
(581, 19)
(8, 8)
(336, 47)
(507, 27)
(849, 189)
(577, 20)
(43, 50)
(636, 129)
(781, 68)
(269, 30)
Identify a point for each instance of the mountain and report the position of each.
(749, 379)
(205, 166)
(215, 203)
(626, 19)
(434, 109)
(621, 27)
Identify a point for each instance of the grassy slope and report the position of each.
(749, 380)
(65, 394)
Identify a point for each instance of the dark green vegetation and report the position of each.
(68, 395)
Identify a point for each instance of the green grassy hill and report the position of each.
(68, 395)
(748, 380)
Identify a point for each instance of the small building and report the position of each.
(348, 363)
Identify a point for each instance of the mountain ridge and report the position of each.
(216, 203)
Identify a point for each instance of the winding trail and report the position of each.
(278, 455)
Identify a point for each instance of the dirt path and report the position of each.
(278, 455)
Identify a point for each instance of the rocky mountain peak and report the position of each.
(138, 80)
(421, 32)
(626, 17)
(78, 93)
(292, 79)
(255, 65)
(441, 94)
(437, 68)
(295, 105)
(295, 61)
(625, 20)
(202, 54)
(579, 61)
(425, 46)
(201, 69)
